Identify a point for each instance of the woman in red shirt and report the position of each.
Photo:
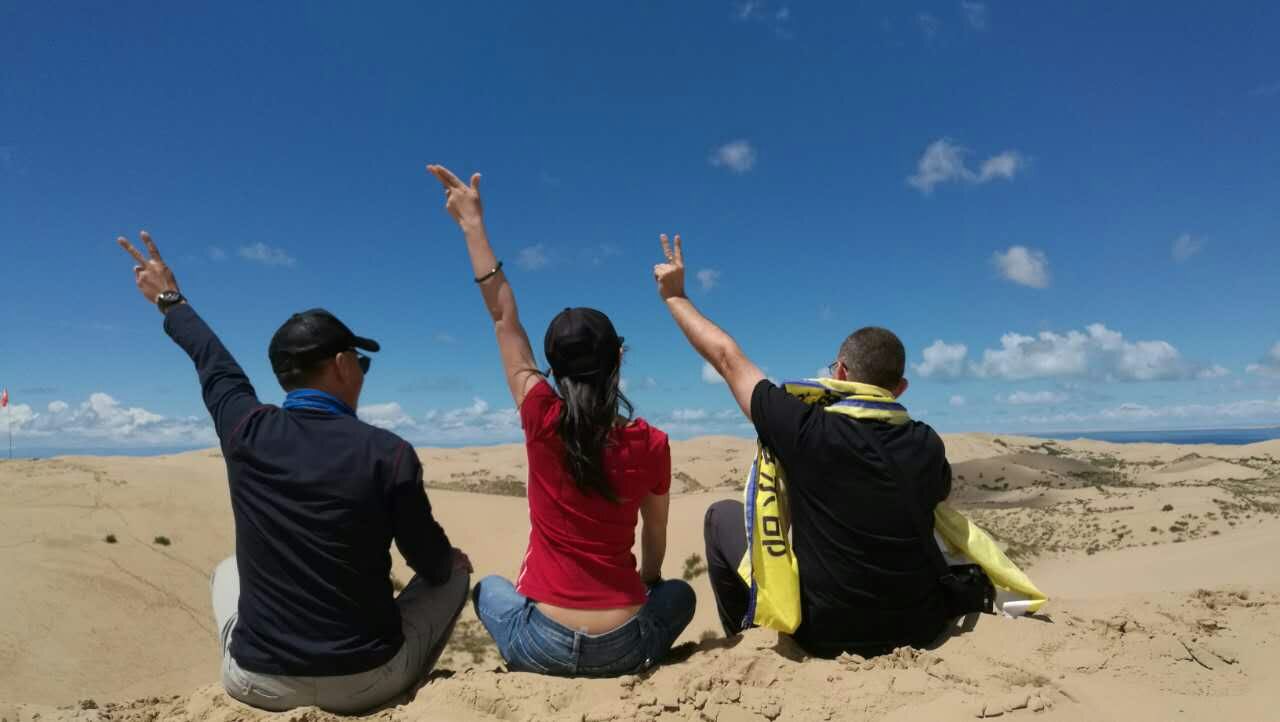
(580, 606)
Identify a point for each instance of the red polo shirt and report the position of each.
(579, 553)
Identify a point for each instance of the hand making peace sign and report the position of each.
(151, 274)
(461, 200)
(670, 275)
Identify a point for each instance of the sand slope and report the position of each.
(1159, 560)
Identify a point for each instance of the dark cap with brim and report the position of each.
(310, 336)
(582, 342)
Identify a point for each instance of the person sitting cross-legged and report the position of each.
(866, 584)
(580, 606)
(305, 610)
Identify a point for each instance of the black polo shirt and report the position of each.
(318, 499)
(866, 585)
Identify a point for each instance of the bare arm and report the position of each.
(463, 203)
(708, 339)
(653, 536)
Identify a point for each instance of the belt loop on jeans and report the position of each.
(578, 635)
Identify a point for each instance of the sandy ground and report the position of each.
(1159, 560)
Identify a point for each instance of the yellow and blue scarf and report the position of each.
(769, 565)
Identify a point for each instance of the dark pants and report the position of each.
(726, 538)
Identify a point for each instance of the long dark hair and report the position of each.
(591, 406)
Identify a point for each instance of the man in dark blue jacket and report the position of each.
(305, 609)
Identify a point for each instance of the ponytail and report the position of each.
(591, 406)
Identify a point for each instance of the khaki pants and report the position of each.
(427, 617)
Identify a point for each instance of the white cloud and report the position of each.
(737, 156)
(217, 254)
(689, 414)
(1024, 266)
(532, 258)
(749, 10)
(645, 383)
(445, 339)
(1003, 166)
(1213, 372)
(102, 421)
(975, 13)
(473, 424)
(1186, 246)
(929, 24)
(1270, 363)
(1034, 398)
(1097, 352)
(760, 11)
(944, 162)
(708, 278)
(710, 375)
(1134, 414)
(684, 423)
(267, 255)
(387, 416)
(943, 360)
(957, 401)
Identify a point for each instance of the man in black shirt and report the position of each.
(866, 584)
(305, 609)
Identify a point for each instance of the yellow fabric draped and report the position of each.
(769, 565)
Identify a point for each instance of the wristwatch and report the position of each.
(168, 299)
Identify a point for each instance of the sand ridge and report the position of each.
(1158, 559)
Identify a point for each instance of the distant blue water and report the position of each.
(1179, 436)
(1175, 436)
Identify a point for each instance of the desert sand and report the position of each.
(1159, 561)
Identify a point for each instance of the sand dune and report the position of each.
(1158, 558)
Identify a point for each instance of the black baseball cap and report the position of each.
(582, 342)
(310, 336)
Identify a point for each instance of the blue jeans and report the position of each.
(530, 641)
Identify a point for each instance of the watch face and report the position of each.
(168, 297)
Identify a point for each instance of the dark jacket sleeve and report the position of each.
(227, 392)
(419, 537)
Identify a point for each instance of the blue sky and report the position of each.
(1068, 212)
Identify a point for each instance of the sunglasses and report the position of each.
(364, 362)
(831, 368)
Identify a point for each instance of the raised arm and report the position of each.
(463, 203)
(227, 392)
(712, 343)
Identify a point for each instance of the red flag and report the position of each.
(4, 398)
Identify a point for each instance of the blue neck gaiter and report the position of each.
(316, 400)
